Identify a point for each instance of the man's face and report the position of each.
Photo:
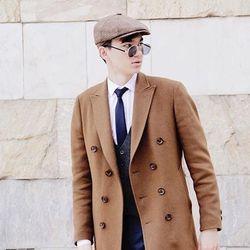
(119, 61)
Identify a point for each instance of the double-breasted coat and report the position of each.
(165, 125)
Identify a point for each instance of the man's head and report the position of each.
(119, 41)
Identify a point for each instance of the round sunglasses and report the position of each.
(145, 49)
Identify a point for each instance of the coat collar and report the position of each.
(142, 100)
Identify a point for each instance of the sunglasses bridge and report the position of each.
(145, 48)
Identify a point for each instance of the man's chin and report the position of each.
(137, 69)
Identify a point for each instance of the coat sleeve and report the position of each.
(198, 160)
(81, 180)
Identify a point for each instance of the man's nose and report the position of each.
(138, 50)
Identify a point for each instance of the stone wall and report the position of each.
(47, 57)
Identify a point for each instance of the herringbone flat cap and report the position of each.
(118, 25)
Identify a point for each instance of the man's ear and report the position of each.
(103, 52)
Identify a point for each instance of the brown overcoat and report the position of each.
(165, 124)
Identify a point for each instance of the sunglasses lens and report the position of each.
(132, 51)
(145, 49)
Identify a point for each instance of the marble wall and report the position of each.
(47, 57)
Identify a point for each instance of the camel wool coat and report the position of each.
(165, 126)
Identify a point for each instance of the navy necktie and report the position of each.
(120, 122)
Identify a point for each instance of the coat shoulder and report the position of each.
(84, 95)
(163, 82)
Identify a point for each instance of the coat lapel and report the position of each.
(142, 100)
(103, 125)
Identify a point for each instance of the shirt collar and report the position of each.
(130, 84)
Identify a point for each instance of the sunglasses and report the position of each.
(144, 47)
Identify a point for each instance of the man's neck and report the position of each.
(119, 78)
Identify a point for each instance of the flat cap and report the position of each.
(118, 25)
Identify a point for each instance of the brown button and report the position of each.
(161, 191)
(142, 196)
(109, 172)
(159, 141)
(153, 166)
(105, 199)
(135, 171)
(94, 148)
(102, 225)
(168, 217)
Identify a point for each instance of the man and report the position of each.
(128, 135)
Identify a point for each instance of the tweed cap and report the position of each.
(118, 25)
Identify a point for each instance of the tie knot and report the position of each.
(120, 92)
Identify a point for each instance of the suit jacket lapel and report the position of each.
(103, 125)
(142, 101)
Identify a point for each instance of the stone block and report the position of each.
(63, 117)
(36, 214)
(11, 60)
(225, 123)
(74, 10)
(225, 120)
(235, 199)
(96, 67)
(54, 60)
(9, 11)
(210, 56)
(235, 204)
(28, 139)
(147, 9)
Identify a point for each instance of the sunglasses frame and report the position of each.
(139, 45)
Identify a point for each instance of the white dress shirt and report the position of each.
(128, 101)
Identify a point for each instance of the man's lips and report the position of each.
(136, 62)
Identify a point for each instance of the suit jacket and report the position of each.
(165, 125)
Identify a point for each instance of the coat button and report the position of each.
(102, 225)
(168, 217)
(161, 191)
(105, 199)
(153, 166)
(135, 171)
(93, 148)
(159, 141)
(121, 152)
(109, 172)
